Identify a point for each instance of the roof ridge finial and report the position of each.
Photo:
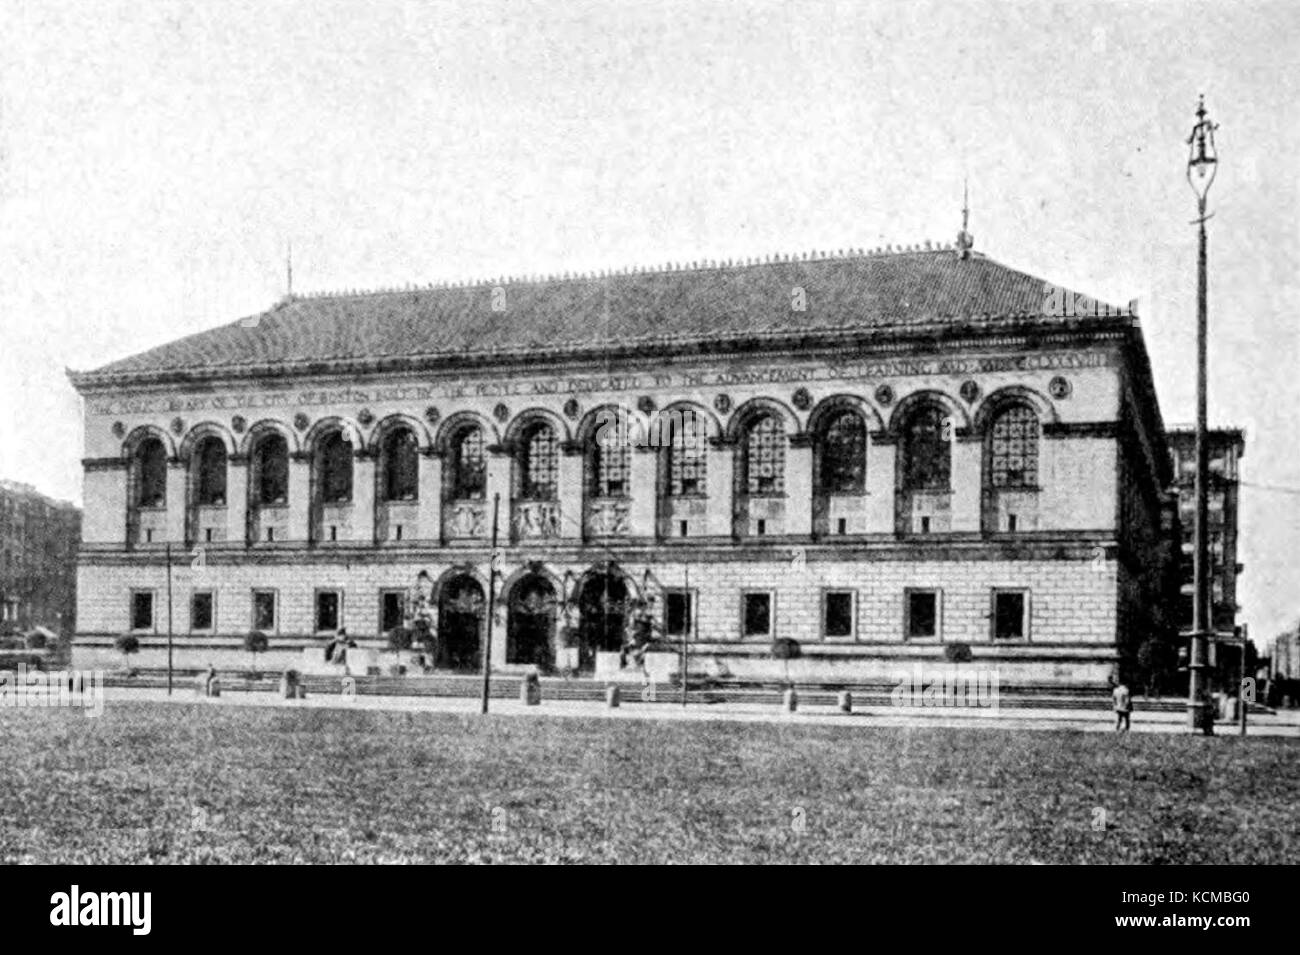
(964, 239)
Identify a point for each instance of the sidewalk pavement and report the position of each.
(1286, 724)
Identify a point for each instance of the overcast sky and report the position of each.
(155, 158)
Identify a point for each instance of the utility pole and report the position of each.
(1202, 165)
(169, 619)
(492, 607)
(1241, 682)
(686, 630)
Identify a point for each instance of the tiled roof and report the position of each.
(690, 305)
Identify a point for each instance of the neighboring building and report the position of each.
(1227, 448)
(38, 560)
(878, 455)
(1284, 656)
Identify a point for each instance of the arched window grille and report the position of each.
(927, 451)
(468, 464)
(539, 464)
(210, 460)
(334, 458)
(687, 457)
(765, 456)
(150, 473)
(1013, 448)
(844, 455)
(271, 470)
(401, 466)
(610, 461)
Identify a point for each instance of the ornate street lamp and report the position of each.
(1202, 166)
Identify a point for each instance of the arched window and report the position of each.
(927, 451)
(844, 454)
(764, 463)
(609, 460)
(210, 479)
(468, 477)
(1013, 448)
(687, 456)
(539, 464)
(150, 464)
(271, 470)
(334, 460)
(400, 465)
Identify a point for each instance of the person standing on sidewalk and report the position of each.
(1123, 707)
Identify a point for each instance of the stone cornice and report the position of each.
(1080, 429)
(104, 464)
(964, 546)
(1038, 332)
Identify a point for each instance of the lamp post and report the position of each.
(1202, 165)
(492, 609)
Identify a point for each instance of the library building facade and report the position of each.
(886, 458)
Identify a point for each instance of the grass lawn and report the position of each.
(151, 782)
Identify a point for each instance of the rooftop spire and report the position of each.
(964, 239)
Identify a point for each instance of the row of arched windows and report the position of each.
(840, 442)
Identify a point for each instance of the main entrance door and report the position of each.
(530, 625)
(602, 605)
(461, 612)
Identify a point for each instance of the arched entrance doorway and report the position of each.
(461, 611)
(530, 624)
(602, 606)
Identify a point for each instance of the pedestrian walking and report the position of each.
(1123, 707)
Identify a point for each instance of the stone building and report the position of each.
(1227, 448)
(38, 559)
(890, 457)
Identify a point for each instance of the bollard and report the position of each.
(530, 690)
(790, 701)
(611, 697)
(845, 701)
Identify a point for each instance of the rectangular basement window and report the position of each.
(201, 615)
(392, 609)
(921, 607)
(142, 610)
(756, 613)
(837, 613)
(677, 613)
(264, 610)
(1010, 614)
(328, 604)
